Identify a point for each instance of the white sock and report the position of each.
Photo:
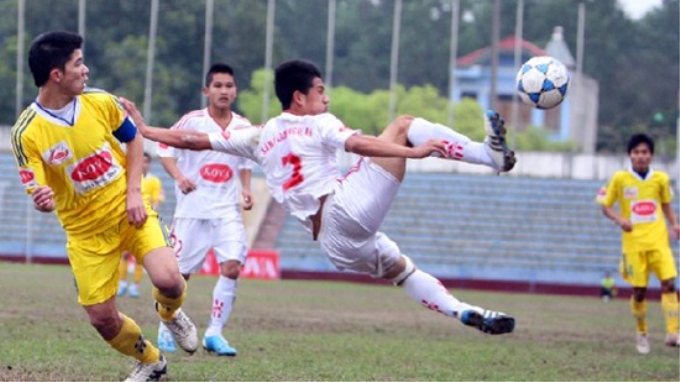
(122, 284)
(430, 292)
(224, 295)
(459, 146)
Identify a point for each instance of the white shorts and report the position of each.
(194, 237)
(352, 216)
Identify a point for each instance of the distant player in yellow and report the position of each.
(152, 190)
(644, 197)
(67, 145)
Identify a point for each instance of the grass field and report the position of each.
(293, 330)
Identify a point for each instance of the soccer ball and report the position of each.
(543, 82)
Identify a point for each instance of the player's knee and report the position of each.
(402, 123)
(668, 286)
(106, 322)
(639, 294)
(170, 285)
(231, 269)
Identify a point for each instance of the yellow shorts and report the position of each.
(636, 266)
(95, 259)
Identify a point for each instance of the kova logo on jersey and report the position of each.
(94, 171)
(27, 178)
(58, 154)
(643, 211)
(216, 173)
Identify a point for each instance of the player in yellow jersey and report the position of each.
(152, 190)
(68, 148)
(644, 197)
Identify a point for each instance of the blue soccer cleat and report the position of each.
(503, 158)
(166, 343)
(219, 346)
(133, 291)
(488, 321)
(122, 288)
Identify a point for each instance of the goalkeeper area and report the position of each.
(305, 330)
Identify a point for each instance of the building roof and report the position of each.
(506, 45)
(558, 48)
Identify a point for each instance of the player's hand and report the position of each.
(43, 199)
(432, 147)
(625, 225)
(136, 211)
(247, 200)
(185, 185)
(676, 231)
(133, 113)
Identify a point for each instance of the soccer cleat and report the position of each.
(133, 291)
(495, 144)
(672, 339)
(165, 340)
(642, 343)
(121, 290)
(219, 346)
(148, 371)
(184, 331)
(488, 321)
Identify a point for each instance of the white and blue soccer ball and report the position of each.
(543, 82)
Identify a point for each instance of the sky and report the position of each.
(637, 8)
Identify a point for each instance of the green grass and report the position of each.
(293, 330)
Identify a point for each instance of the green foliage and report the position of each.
(536, 139)
(250, 100)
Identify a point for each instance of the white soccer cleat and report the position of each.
(148, 371)
(672, 339)
(184, 331)
(642, 343)
(503, 158)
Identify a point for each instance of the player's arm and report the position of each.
(32, 171)
(672, 220)
(246, 175)
(181, 139)
(607, 197)
(367, 145)
(622, 222)
(185, 184)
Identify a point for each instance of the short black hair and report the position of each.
(640, 139)
(292, 76)
(51, 50)
(217, 68)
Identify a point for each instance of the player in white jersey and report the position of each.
(208, 212)
(297, 151)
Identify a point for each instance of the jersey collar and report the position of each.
(54, 119)
(636, 175)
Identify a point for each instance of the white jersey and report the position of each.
(214, 173)
(297, 155)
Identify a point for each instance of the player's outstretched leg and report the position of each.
(493, 152)
(169, 292)
(427, 290)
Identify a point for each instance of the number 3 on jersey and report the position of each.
(296, 178)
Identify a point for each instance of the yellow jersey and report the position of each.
(81, 161)
(640, 202)
(152, 189)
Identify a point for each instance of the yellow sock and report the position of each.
(131, 342)
(639, 310)
(669, 304)
(122, 270)
(166, 306)
(139, 273)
